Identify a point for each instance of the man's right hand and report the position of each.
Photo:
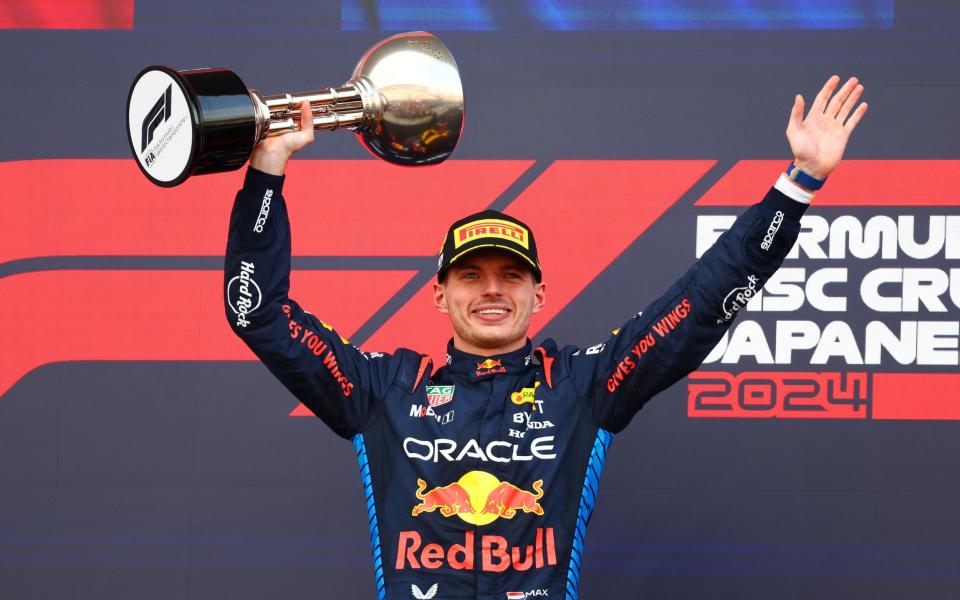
(271, 155)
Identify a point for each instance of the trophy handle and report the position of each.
(333, 108)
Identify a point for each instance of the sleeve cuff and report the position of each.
(792, 190)
(258, 180)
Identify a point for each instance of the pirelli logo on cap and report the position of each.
(491, 228)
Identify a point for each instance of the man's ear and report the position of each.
(539, 296)
(440, 298)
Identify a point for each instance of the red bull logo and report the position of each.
(506, 499)
(496, 553)
(449, 499)
(479, 498)
(489, 367)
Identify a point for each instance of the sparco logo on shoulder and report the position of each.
(772, 230)
(243, 294)
(738, 298)
(264, 211)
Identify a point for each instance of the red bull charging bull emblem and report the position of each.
(479, 498)
(490, 366)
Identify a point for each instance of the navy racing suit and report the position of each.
(480, 477)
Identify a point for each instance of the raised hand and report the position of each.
(819, 140)
(271, 155)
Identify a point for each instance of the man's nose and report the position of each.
(492, 286)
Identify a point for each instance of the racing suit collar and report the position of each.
(482, 367)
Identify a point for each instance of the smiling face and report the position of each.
(490, 296)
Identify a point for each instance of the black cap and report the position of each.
(488, 229)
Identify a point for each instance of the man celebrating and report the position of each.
(480, 477)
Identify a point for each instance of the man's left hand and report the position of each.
(819, 140)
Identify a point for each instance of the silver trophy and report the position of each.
(404, 101)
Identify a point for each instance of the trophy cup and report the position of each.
(404, 101)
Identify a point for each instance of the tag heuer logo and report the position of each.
(439, 394)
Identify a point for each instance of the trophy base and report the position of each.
(183, 123)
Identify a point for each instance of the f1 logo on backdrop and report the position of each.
(167, 312)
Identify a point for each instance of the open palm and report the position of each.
(819, 140)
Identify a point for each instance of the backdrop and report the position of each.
(145, 454)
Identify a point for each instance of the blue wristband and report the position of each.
(796, 175)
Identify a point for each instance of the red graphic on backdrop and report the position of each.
(68, 14)
(370, 209)
(833, 395)
(828, 395)
(855, 183)
(584, 213)
(109, 315)
(783, 395)
(57, 316)
(178, 315)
